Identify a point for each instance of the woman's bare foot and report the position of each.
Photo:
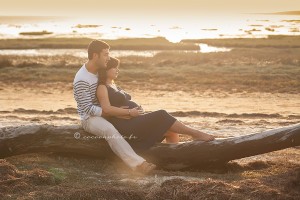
(145, 167)
(203, 137)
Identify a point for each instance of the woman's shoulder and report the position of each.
(113, 87)
(102, 87)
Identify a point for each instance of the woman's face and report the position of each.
(112, 73)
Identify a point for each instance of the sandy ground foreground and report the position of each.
(273, 175)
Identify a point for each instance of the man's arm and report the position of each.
(84, 99)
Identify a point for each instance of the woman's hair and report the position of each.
(112, 63)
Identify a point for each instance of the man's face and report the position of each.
(102, 58)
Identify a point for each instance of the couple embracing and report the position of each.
(106, 110)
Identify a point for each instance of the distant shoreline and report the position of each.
(158, 43)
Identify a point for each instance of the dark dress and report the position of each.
(141, 132)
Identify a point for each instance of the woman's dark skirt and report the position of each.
(144, 131)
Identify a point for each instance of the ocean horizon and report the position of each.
(209, 27)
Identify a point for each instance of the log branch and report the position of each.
(73, 139)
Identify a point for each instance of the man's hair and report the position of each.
(96, 46)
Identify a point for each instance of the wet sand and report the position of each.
(215, 112)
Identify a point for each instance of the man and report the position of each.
(91, 115)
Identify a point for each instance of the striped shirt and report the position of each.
(84, 88)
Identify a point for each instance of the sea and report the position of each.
(205, 27)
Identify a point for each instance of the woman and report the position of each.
(141, 130)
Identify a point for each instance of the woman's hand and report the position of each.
(141, 108)
(134, 112)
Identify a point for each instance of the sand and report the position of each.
(226, 94)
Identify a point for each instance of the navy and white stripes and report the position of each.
(84, 88)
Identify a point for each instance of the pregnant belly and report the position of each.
(131, 104)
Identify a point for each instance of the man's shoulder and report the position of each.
(80, 76)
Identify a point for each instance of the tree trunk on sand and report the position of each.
(72, 139)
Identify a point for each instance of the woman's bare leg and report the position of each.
(172, 137)
(179, 127)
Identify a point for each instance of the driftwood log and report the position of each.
(74, 140)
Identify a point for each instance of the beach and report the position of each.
(253, 87)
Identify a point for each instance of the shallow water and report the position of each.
(243, 25)
(203, 48)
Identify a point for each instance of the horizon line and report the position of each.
(290, 12)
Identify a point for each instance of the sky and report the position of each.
(140, 8)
